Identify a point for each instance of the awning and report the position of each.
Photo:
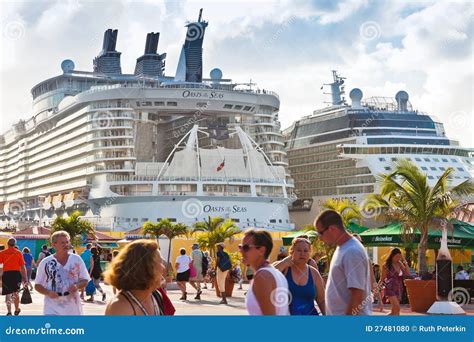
(287, 239)
(462, 236)
(351, 227)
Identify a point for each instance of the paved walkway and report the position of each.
(208, 305)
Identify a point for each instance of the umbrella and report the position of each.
(462, 236)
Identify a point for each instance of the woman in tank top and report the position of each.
(304, 281)
(136, 273)
(268, 293)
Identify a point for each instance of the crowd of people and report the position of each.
(292, 285)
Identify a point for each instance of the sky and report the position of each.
(381, 47)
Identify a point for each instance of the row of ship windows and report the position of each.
(172, 219)
(436, 160)
(199, 104)
(432, 168)
(337, 191)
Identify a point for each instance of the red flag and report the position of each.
(221, 165)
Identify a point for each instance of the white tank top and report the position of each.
(280, 296)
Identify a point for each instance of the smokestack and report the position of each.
(402, 101)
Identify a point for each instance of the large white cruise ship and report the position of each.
(337, 152)
(108, 144)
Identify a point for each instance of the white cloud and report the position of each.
(288, 46)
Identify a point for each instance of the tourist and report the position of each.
(207, 269)
(304, 281)
(268, 293)
(86, 256)
(29, 264)
(14, 274)
(115, 252)
(43, 254)
(197, 257)
(461, 274)
(136, 273)
(348, 290)
(60, 277)
(393, 271)
(96, 274)
(376, 288)
(182, 272)
(223, 266)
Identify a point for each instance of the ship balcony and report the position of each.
(280, 143)
(109, 136)
(100, 147)
(107, 127)
(112, 168)
(107, 157)
(263, 133)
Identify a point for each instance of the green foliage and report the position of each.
(74, 226)
(214, 230)
(405, 196)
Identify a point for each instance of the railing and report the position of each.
(135, 178)
(203, 86)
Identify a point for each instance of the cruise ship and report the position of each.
(337, 152)
(129, 148)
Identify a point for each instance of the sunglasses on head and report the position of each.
(246, 248)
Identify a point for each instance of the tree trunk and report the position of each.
(422, 247)
(408, 255)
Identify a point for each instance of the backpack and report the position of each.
(205, 264)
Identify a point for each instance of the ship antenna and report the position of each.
(200, 15)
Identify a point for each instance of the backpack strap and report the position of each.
(159, 300)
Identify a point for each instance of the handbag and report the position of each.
(26, 297)
(168, 307)
(192, 271)
(90, 288)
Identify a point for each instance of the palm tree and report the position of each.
(215, 230)
(74, 226)
(167, 228)
(406, 196)
(349, 211)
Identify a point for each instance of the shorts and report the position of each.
(11, 282)
(183, 276)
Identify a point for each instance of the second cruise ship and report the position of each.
(336, 152)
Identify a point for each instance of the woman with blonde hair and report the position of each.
(304, 281)
(136, 272)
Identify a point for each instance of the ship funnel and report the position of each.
(402, 101)
(190, 60)
(356, 95)
(151, 64)
(108, 61)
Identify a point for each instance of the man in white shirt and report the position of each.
(348, 290)
(461, 274)
(60, 277)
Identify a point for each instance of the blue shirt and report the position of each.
(28, 259)
(86, 257)
(224, 261)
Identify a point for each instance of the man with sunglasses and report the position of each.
(348, 290)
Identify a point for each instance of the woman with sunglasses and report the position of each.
(268, 293)
(304, 281)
